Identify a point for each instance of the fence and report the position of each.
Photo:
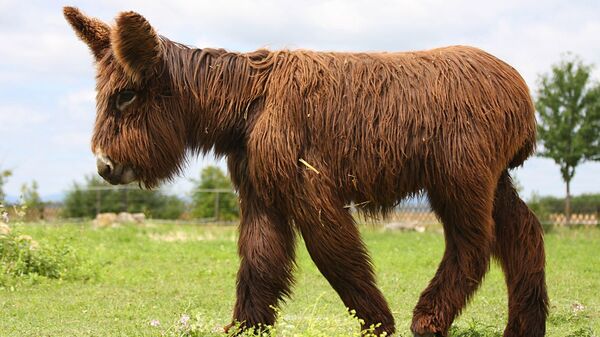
(418, 215)
(411, 214)
(575, 220)
(224, 207)
(213, 205)
(123, 190)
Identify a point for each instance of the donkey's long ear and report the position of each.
(95, 33)
(136, 45)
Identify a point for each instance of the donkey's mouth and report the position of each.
(114, 173)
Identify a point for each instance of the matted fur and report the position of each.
(306, 133)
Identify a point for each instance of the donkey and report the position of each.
(306, 133)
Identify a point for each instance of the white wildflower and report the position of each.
(577, 307)
(184, 320)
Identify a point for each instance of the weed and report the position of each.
(22, 257)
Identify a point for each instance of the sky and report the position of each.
(47, 76)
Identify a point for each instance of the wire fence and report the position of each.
(124, 191)
(216, 204)
(200, 206)
(412, 214)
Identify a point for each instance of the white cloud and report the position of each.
(79, 105)
(80, 140)
(16, 116)
(36, 44)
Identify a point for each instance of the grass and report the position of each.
(168, 280)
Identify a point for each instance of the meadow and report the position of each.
(179, 280)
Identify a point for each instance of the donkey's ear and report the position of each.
(95, 33)
(136, 45)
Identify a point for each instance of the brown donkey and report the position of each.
(306, 133)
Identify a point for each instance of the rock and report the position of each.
(125, 217)
(139, 218)
(105, 220)
(404, 226)
(114, 220)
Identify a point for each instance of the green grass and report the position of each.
(161, 273)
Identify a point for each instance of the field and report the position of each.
(179, 280)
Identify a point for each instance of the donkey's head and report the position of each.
(139, 133)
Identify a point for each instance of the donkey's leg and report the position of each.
(266, 248)
(333, 242)
(466, 214)
(520, 249)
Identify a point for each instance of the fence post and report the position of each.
(124, 200)
(98, 202)
(217, 206)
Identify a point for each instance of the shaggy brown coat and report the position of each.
(306, 133)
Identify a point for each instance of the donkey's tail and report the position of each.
(523, 153)
(527, 127)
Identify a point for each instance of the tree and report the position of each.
(96, 196)
(4, 174)
(32, 201)
(213, 196)
(568, 105)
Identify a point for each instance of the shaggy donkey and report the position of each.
(306, 133)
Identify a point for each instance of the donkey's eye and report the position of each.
(124, 98)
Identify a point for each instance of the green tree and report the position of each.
(213, 196)
(94, 195)
(32, 201)
(568, 104)
(4, 174)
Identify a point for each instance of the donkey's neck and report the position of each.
(220, 93)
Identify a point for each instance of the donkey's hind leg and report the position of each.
(466, 214)
(520, 249)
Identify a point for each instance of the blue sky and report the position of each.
(47, 76)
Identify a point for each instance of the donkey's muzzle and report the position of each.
(114, 173)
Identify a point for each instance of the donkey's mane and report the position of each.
(219, 79)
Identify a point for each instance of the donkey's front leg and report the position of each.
(266, 249)
(334, 243)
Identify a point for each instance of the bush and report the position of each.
(32, 202)
(204, 199)
(581, 204)
(23, 257)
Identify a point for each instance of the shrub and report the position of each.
(23, 257)
(582, 204)
(208, 204)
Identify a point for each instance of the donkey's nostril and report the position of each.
(114, 173)
(104, 170)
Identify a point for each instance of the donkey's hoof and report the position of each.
(426, 325)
